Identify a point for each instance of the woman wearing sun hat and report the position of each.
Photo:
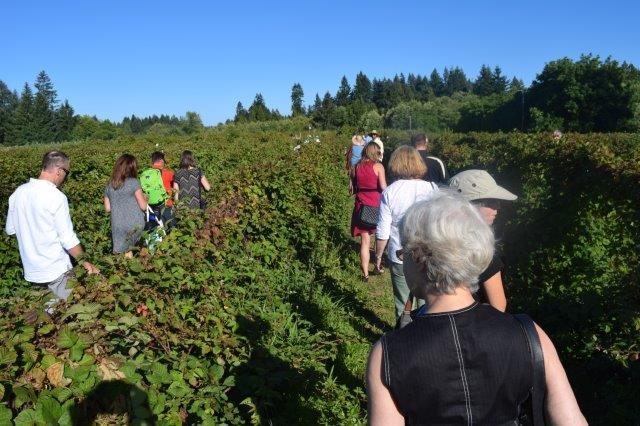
(482, 190)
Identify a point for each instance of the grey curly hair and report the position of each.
(449, 241)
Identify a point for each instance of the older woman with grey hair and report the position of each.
(458, 362)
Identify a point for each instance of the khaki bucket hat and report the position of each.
(478, 185)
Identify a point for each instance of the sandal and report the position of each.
(379, 271)
(365, 278)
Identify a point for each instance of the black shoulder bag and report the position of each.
(534, 412)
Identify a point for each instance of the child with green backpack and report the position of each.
(157, 183)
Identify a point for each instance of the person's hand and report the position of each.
(350, 187)
(91, 269)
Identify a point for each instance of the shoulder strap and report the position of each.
(539, 389)
(444, 173)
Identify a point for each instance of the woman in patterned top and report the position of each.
(189, 181)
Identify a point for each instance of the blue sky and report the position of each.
(117, 58)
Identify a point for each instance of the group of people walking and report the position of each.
(461, 359)
(38, 213)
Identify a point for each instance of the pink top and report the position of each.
(367, 180)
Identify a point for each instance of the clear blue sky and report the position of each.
(116, 58)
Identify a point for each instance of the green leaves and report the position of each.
(66, 338)
(7, 355)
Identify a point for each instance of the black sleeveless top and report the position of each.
(470, 366)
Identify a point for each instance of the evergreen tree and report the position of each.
(344, 92)
(44, 88)
(297, 95)
(241, 114)
(363, 89)
(21, 130)
(455, 80)
(317, 105)
(436, 83)
(65, 121)
(516, 85)
(499, 81)
(8, 104)
(136, 125)
(44, 109)
(258, 110)
(484, 84)
(422, 89)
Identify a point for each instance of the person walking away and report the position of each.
(375, 137)
(368, 182)
(124, 200)
(157, 184)
(188, 182)
(408, 168)
(482, 190)
(458, 361)
(39, 217)
(436, 171)
(354, 152)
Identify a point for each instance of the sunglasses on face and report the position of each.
(492, 204)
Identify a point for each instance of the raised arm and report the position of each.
(561, 407)
(382, 410)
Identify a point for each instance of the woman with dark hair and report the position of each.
(479, 187)
(368, 181)
(123, 198)
(189, 181)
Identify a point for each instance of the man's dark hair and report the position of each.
(54, 159)
(157, 156)
(419, 139)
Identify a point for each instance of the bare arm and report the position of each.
(176, 190)
(205, 183)
(379, 170)
(107, 204)
(76, 252)
(142, 202)
(561, 407)
(495, 292)
(380, 246)
(382, 409)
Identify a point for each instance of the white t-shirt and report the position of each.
(394, 203)
(39, 217)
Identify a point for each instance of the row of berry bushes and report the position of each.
(572, 245)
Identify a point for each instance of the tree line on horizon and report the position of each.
(30, 118)
(587, 95)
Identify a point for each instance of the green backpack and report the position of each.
(151, 183)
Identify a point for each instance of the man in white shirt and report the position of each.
(39, 217)
(375, 137)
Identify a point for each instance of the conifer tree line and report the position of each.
(587, 95)
(31, 118)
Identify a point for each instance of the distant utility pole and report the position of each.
(522, 113)
(410, 122)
